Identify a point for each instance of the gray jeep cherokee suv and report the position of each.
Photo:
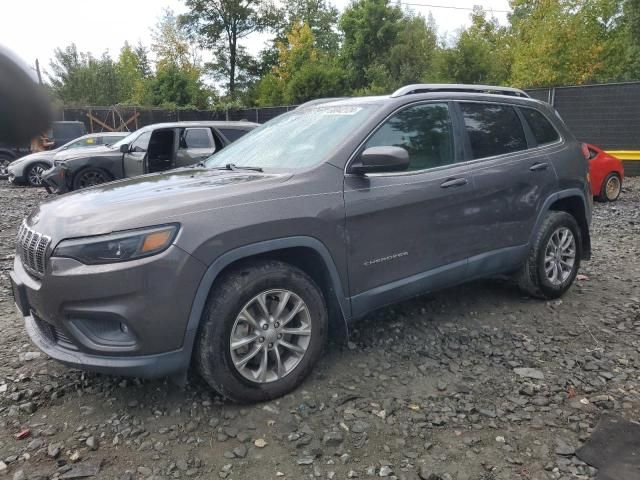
(322, 214)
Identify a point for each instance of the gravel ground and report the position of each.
(473, 383)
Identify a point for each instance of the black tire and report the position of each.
(227, 299)
(90, 176)
(32, 170)
(608, 194)
(532, 278)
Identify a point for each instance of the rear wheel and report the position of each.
(89, 177)
(554, 258)
(34, 174)
(263, 331)
(611, 188)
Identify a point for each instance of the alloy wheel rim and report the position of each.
(89, 179)
(613, 187)
(35, 175)
(270, 336)
(560, 256)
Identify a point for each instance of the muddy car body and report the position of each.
(319, 216)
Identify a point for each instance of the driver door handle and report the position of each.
(536, 167)
(454, 182)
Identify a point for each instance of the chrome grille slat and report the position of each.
(32, 248)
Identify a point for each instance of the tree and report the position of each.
(319, 15)
(133, 73)
(409, 58)
(370, 28)
(79, 78)
(177, 80)
(220, 25)
(302, 72)
(559, 42)
(481, 54)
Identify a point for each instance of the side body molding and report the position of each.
(239, 253)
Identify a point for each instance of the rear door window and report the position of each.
(196, 138)
(492, 129)
(543, 130)
(424, 131)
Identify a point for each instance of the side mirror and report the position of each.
(381, 159)
(124, 148)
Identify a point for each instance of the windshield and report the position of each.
(298, 139)
(128, 139)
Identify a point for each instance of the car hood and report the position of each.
(83, 152)
(148, 200)
(37, 156)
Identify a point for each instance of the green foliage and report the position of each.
(79, 78)
(481, 54)
(373, 47)
(302, 71)
(370, 28)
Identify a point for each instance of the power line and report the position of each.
(451, 7)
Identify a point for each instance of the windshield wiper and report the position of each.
(232, 167)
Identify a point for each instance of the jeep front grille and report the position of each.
(32, 248)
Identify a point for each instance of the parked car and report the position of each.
(152, 149)
(332, 210)
(29, 168)
(60, 133)
(606, 172)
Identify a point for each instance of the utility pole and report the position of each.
(38, 71)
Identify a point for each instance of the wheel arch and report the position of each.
(573, 202)
(306, 253)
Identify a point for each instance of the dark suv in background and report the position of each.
(151, 149)
(321, 215)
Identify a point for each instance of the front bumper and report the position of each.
(55, 180)
(16, 174)
(128, 318)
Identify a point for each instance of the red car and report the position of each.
(606, 174)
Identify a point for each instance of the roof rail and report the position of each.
(318, 101)
(452, 87)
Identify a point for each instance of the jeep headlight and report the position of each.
(119, 246)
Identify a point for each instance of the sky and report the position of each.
(32, 29)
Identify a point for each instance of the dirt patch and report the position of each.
(476, 382)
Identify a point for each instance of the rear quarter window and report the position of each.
(492, 129)
(542, 129)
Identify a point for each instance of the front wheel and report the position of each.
(554, 257)
(34, 174)
(89, 177)
(263, 331)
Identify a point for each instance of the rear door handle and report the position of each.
(538, 166)
(454, 182)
